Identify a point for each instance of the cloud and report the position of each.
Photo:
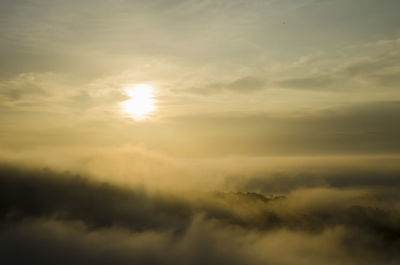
(369, 72)
(246, 84)
(48, 217)
(357, 128)
(316, 82)
(281, 181)
(16, 89)
(356, 67)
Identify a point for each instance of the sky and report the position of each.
(207, 115)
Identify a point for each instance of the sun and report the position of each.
(141, 102)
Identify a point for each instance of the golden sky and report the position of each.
(174, 86)
(247, 132)
(229, 77)
(198, 80)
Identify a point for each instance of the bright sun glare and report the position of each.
(141, 101)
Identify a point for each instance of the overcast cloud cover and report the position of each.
(274, 137)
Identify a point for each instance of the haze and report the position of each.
(200, 132)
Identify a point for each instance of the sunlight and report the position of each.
(141, 102)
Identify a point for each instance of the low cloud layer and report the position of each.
(48, 217)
